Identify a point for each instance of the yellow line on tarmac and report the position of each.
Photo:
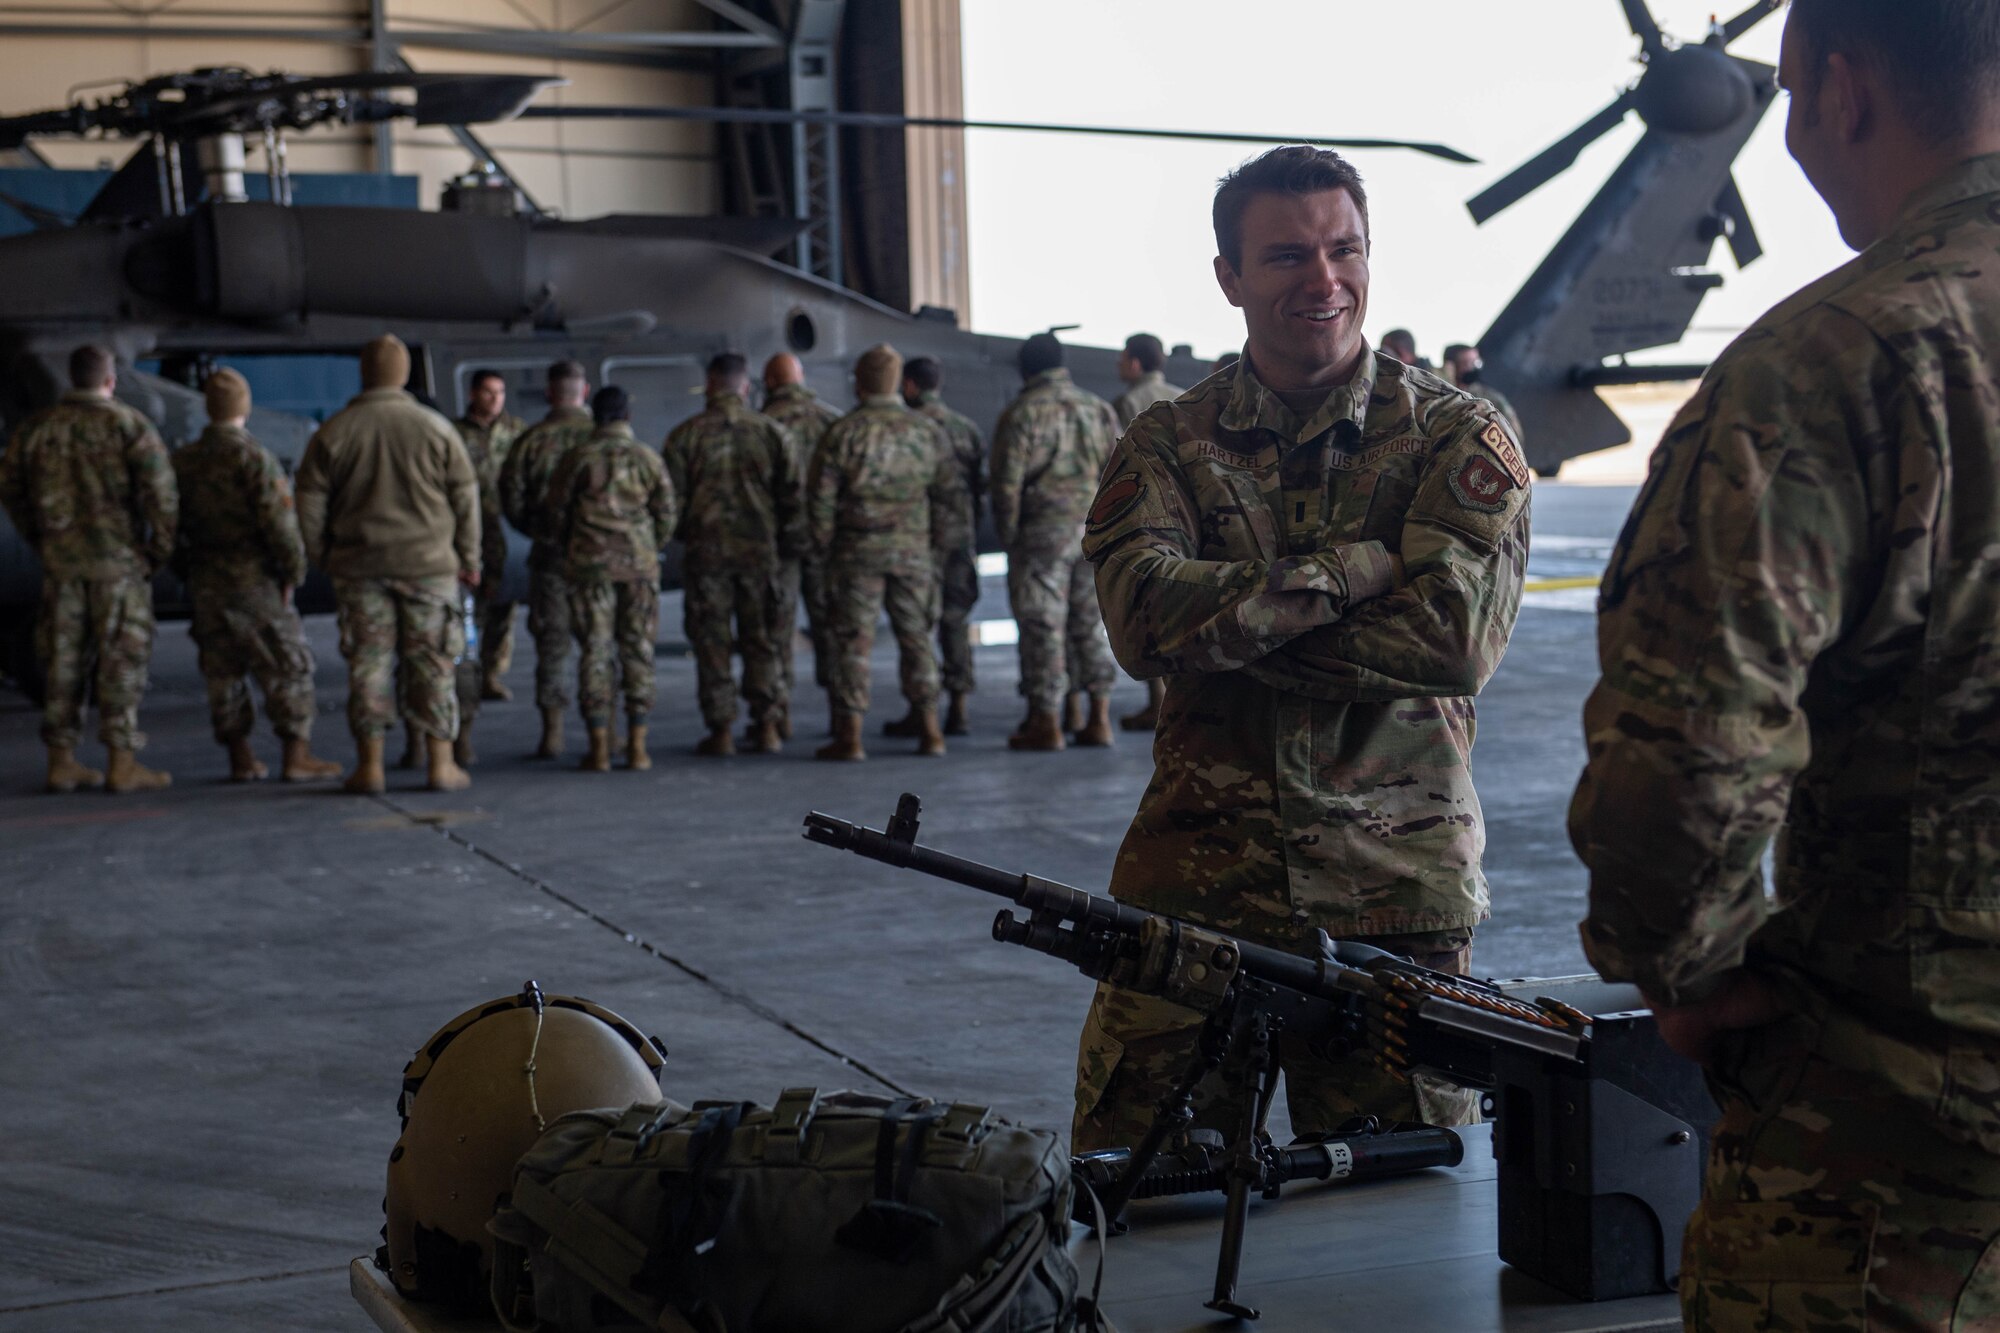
(1561, 585)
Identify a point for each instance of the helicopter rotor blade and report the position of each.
(1743, 242)
(871, 120)
(442, 99)
(1749, 19)
(1644, 27)
(1546, 165)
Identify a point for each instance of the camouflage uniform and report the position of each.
(879, 498)
(958, 566)
(488, 447)
(89, 485)
(524, 485)
(389, 508)
(1312, 758)
(612, 510)
(1142, 393)
(1800, 636)
(1048, 450)
(239, 552)
(733, 469)
(806, 418)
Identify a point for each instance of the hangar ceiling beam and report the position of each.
(731, 12)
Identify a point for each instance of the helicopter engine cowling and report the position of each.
(1693, 90)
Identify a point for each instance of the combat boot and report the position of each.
(302, 765)
(930, 736)
(244, 765)
(598, 758)
(66, 775)
(461, 749)
(125, 773)
(1097, 731)
(494, 690)
(846, 742)
(445, 774)
(413, 748)
(718, 744)
(908, 725)
(784, 721)
(552, 735)
(770, 735)
(367, 778)
(954, 720)
(1041, 731)
(1072, 718)
(1147, 718)
(636, 757)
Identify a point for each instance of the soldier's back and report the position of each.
(1065, 433)
(731, 463)
(220, 475)
(73, 464)
(888, 458)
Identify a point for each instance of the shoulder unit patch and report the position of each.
(1495, 437)
(1480, 483)
(1116, 500)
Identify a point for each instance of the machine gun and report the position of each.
(1599, 1143)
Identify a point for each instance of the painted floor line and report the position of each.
(736, 997)
(251, 1280)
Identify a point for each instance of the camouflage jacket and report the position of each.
(883, 486)
(1048, 450)
(386, 490)
(1800, 635)
(487, 446)
(525, 476)
(806, 418)
(236, 511)
(90, 486)
(614, 508)
(1312, 763)
(968, 450)
(1502, 402)
(733, 470)
(1149, 388)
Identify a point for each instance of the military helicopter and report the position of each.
(172, 263)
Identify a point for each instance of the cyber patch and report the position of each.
(1479, 483)
(1116, 500)
(1495, 438)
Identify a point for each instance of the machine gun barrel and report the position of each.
(1345, 1158)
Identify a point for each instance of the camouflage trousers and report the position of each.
(1063, 645)
(496, 638)
(105, 621)
(960, 577)
(549, 624)
(732, 607)
(245, 630)
(819, 619)
(1136, 1048)
(1832, 1202)
(786, 588)
(856, 594)
(416, 621)
(616, 622)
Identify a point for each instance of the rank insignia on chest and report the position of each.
(1480, 483)
(1116, 500)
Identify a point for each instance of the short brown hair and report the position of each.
(880, 370)
(1145, 349)
(566, 372)
(89, 366)
(1293, 169)
(1940, 57)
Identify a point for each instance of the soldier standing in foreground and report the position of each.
(879, 500)
(524, 484)
(1140, 367)
(1048, 450)
(958, 557)
(732, 469)
(89, 485)
(242, 557)
(806, 418)
(1322, 550)
(489, 430)
(614, 509)
(1800, 636)
(389, 508)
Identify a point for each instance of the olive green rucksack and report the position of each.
(846, 1213)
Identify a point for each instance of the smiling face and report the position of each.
(1303, 288)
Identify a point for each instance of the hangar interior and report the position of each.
(217, 986)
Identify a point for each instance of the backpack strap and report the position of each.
(888, 1226)
(785, 1140)
(595, 1248)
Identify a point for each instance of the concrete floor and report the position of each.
(211, 992)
